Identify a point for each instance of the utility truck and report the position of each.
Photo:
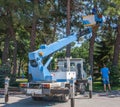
(43, 82)
(46, 83)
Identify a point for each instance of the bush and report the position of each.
(115, 75)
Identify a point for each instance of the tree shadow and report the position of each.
(29, 102)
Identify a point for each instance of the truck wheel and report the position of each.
(36, 98)
(82, 88)
(65, 97)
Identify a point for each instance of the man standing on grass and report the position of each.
(105, 77)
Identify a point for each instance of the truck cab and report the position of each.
(63, 72)
(75, 71)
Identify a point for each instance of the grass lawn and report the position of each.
(22, 80)
(98, 86)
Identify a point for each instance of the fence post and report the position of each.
(90, 86)
(6, 88)
(72, 92)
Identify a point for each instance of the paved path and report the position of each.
(98, 100)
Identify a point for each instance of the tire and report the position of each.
(65, 97)
(80, 88)
(82, 92)
(37, 98)
(34, 98)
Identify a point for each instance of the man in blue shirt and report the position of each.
(105, 77)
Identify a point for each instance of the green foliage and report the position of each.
(115, 75)
(26, 74)
(14, 84)
(103, 51)
(97, 86)
(113, 8)
(4, 71)
(81, 52)
(60, 54)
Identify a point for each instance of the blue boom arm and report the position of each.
(37, 70)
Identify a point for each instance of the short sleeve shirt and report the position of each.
(105, 72)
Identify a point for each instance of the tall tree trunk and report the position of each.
(55, 27)
(19, 68)
(6, 49)
(68, 48)
(91, 49)
(117, 47)
(33, 31)
(11, 31)
(15, 57)
(14, 52)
